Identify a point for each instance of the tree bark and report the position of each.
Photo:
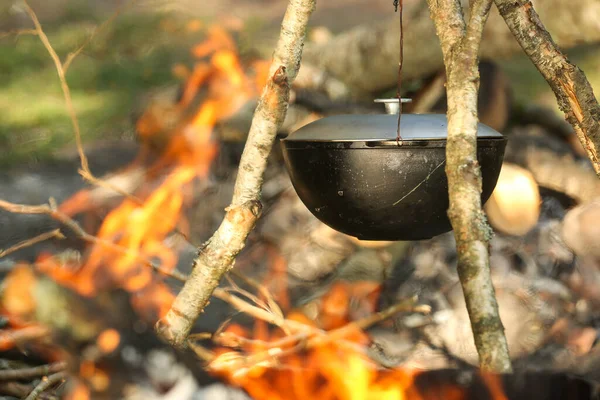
(460, 47)
(218, 255)
(364, 59)
(573, 92)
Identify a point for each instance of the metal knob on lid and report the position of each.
(392, 106)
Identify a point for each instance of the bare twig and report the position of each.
(18, 32)
(30, 242)
(247, 308)
(15, 389)
(46, 383)
(219, 254)
(72, 55)
(364, 323)
(235, 288)
(274, 317)
(229, 339)
(61, 69)
(202, 352)
(63, 83)
(460, 47)
(25, 373)
(52, 211)
(310, 337)
(103, 183)
(84, 171)
(573, 91)
(272, 304)
(11, 338)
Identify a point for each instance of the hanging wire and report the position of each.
(398, 8)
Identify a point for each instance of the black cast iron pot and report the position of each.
(352, 175)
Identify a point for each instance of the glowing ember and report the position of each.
(108, 340)
(80, 392)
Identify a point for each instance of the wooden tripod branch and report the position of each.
(573, 92)
(218, 255)
(460, 47)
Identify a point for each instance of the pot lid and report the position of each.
(380, 127)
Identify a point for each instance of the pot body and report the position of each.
(381, 191)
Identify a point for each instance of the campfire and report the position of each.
(133, 235)
(305, 313)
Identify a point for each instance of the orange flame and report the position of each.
(328, 372)
(327, 365)
(136, 230)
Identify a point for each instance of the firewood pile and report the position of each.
(302, 296)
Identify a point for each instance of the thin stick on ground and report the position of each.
(15, 389)
(46, 383)
(26, 373)
(218, 255)
(573, 91)
(30, 242)
(460, 47)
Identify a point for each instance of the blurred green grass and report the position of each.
(128, 58)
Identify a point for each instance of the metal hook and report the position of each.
(394, 106)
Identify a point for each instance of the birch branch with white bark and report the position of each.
(219, 253)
